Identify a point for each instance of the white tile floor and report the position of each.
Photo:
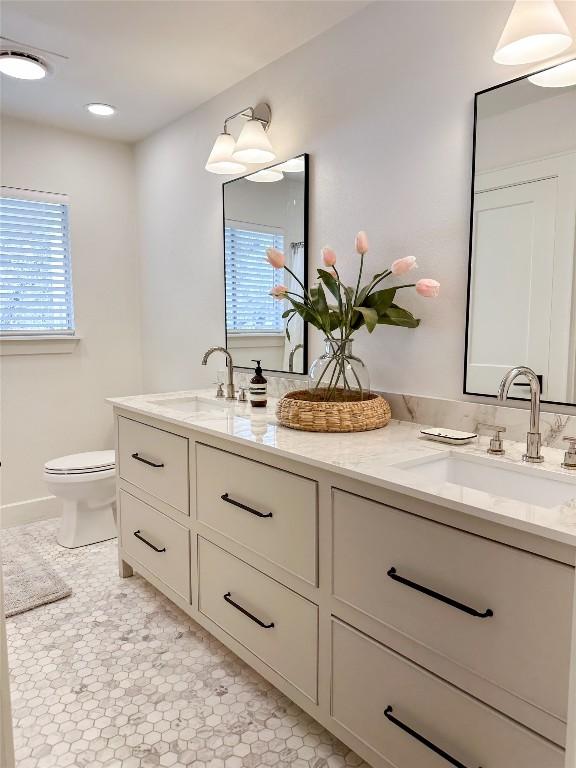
(116, 676)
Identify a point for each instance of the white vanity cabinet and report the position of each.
(420, 636)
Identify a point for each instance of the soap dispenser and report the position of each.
(258, 387)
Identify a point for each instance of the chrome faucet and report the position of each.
(230, 391)
(533, 438)
(291, 357)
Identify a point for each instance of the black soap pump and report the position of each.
(258, 387)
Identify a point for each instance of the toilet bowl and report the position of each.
(85, 482)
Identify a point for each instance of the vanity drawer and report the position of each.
(157, 542)
(154, 460)
(524, 647)
(267, 510)
(288, 641)
(367, 678)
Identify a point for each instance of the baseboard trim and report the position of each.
(30, 511)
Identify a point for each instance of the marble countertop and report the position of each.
(370, 457)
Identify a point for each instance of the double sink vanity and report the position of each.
(415, 599)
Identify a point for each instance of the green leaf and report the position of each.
(381, 300)
(334, 320)
(370, 317)
(307, 314)
(320, 306)
(397, 316)
(287, 324)
(288, 312)
(330, 282)
(321, 303)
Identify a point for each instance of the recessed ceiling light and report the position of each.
(21, 65)
(102, 110)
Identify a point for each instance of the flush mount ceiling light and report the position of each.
(560, 76)
(294, 165)
(101, 110)
(266, 176)
(23, 66)
(253, 146)
(535, 30)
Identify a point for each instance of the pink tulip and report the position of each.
(428, 288)
(361, 243)
(279, 291)
(276, 258)
(401, 266)
(328, 256)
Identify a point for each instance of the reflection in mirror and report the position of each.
(266, 209)
(521, 300)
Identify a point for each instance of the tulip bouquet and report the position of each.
(339, 310)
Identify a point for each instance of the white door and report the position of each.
(512, 278)
(522, 281)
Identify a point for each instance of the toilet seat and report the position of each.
(89, 463)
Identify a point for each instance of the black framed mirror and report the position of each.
(521, 306)
(265, 209)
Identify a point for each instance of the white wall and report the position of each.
(54, 404)
(384, 105)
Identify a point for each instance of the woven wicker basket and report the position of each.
(307, 411)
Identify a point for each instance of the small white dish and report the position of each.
(450, 436)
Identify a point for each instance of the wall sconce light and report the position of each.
(266, 175)
(535, 30)
(253, 145)
(561, 76)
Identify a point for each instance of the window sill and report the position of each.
(239, 340)
(38, 345)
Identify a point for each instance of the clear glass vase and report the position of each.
(338, 375)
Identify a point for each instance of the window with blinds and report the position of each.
(249, 278)
(35, 270)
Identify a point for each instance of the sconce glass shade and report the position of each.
(294, 165)
(266, 175)
(221, 160)
(557, 77)
(253, 145)
(535, 30)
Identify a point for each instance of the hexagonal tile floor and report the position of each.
(116, 676)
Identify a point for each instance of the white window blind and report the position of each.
(35, 270)
(249, 278)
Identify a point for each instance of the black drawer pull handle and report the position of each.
(437, 596)
(406, 728)
(228, 500)
(139, 536)
(146, 461)
(228, 598)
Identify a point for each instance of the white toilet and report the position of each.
(86, 484)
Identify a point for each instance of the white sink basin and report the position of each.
(191, 405)
(521, 482)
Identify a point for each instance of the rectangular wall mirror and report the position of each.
(265, 209)
(521, 285)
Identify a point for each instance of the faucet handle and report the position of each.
(570, 455)
(496, 444)
(220, 389)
